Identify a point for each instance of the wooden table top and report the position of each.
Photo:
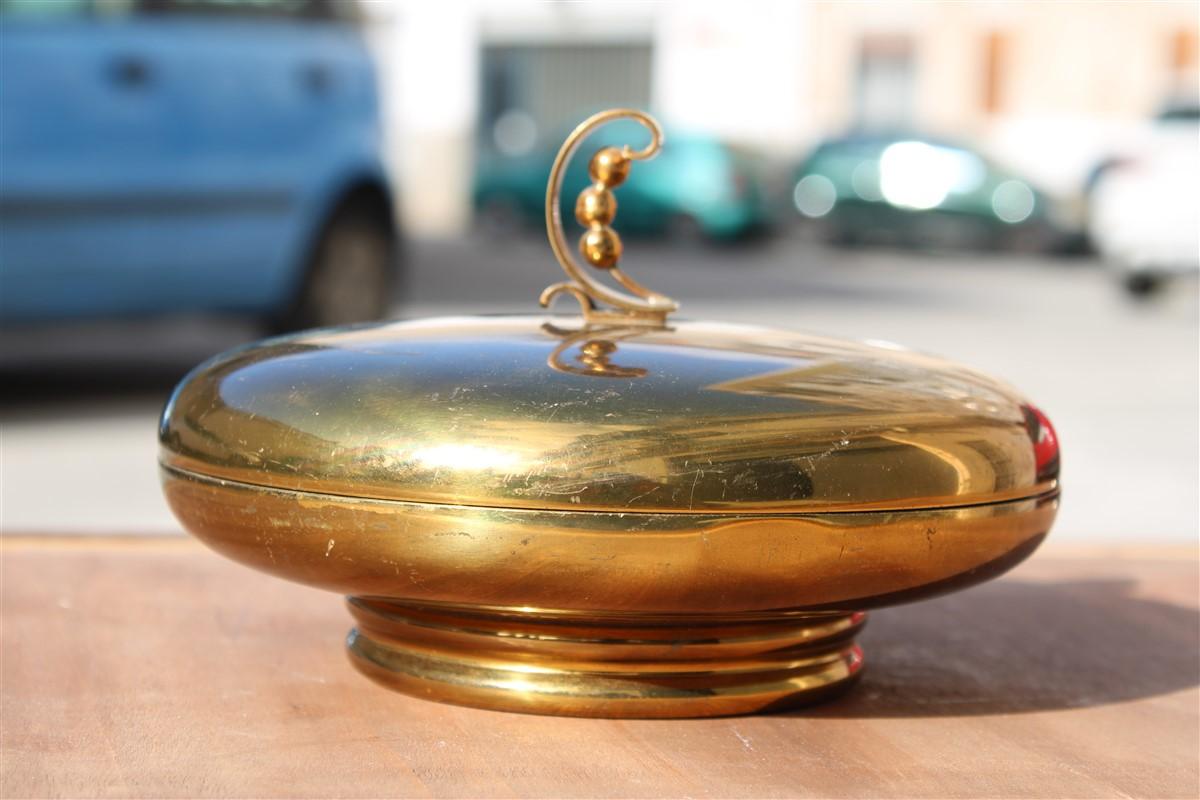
(148, 667)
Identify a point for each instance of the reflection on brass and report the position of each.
(600, 245)
(607, 516)
(596, 350)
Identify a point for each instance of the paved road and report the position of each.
(1119, 379)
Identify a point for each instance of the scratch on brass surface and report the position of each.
(635, 498)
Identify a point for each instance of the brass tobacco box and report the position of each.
(615, 514)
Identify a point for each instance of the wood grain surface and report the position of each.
(152, 668)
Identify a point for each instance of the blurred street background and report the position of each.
(1012, 185)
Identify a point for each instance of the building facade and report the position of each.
(1048, 88)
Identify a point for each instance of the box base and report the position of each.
(541, 661)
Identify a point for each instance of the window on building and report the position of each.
(995, 67)
(885, 82)
(532, 94)
(1183, 51)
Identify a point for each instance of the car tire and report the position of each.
(1029, 239)
(350, 276)
(1142, 285)
(838, 234)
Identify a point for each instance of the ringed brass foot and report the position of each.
(547, 662)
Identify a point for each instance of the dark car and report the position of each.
(191, 155)
(920, 191)
(696, 185)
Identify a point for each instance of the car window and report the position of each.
(63, 9)
(859, 148)
(1180, 114)
(270, 9)
(343, 10)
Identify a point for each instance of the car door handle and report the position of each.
(131, 72)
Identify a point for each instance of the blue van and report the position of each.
(162, 156)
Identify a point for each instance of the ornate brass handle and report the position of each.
(601, 247)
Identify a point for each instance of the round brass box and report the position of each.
(608, 515)
(612, 521)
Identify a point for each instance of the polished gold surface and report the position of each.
(564, 664)
(610, 166)
(600, 245)
(610, 515)
(595, 351)
(595, 206)
(522, 412)
(607, 562)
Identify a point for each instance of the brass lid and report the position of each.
(527, 412)
(620, 410)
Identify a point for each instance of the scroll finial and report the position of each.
(595, 209)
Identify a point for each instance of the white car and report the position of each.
(1144, 216)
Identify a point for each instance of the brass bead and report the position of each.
(595, 354)
(601, 247)
(598, 348)
(595, 205)
(610, 167)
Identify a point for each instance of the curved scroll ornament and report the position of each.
(595, 209)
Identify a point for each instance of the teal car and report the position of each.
(696, 186)
(912, 190)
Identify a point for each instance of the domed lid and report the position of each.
(525, 412)
(621, 411)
